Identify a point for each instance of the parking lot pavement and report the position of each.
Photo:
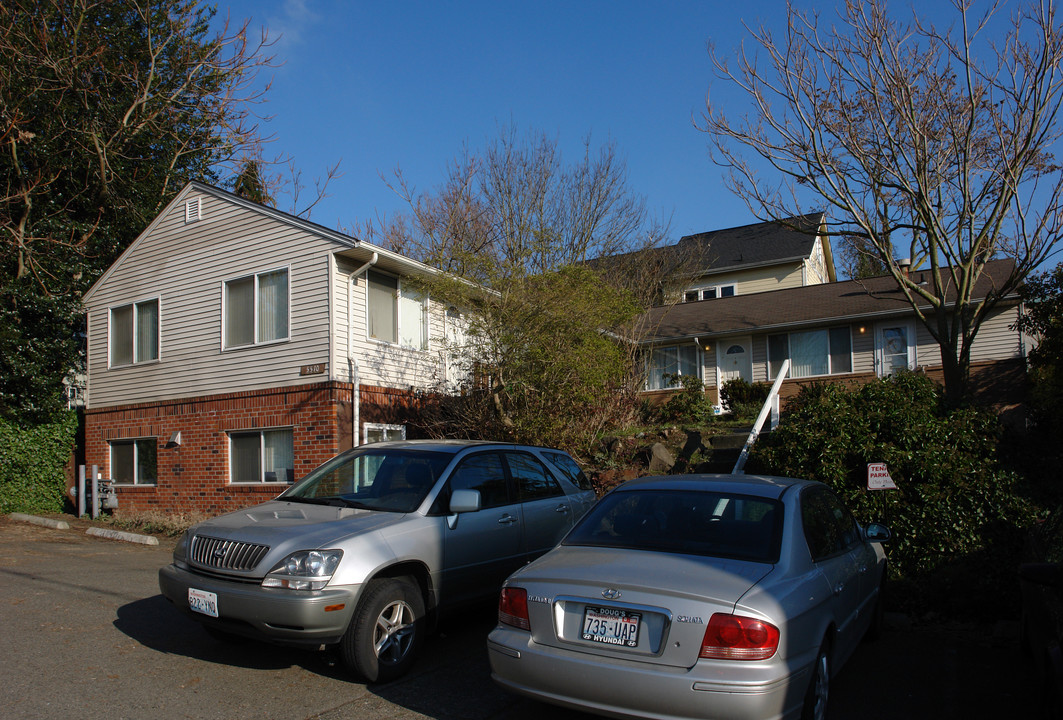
(87, 635)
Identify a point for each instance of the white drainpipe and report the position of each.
(352, 364)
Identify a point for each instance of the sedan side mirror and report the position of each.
(877, 532)
(463, 501)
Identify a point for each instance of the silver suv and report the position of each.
(367, 546)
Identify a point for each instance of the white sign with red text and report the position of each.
(878, 477)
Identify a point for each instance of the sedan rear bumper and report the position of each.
(635, 689)
(298, 617)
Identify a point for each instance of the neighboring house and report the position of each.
(848, 331)
(233, 347)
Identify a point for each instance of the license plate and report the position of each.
(202, 601)
(611, 626)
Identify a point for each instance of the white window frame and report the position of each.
(261, 455)
(287, 270)
(135, 442)
(404, 299)
(650, 373)
(390, 432)
(717, 292)
(135, 326)
(831, 370)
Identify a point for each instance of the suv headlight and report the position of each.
(304, 570)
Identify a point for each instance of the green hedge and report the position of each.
(32, 464)
(958, 516)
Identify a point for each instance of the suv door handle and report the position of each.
(507, 519)
(562, 508)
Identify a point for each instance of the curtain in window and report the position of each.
(240, 312)
(278, 455)
(413, 330)
(383, 295)
(841, 352)
(245, 458)
(147, 339)
(273, 306)
(672, 360)
(122, 335)
(808, 353)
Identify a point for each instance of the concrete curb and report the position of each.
(125, 536)
(46, 522)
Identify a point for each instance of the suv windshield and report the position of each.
(714, 524)
(376, 478)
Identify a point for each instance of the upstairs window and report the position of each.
(710, 293)
(396, 312)
(256, 309)
(134, 333)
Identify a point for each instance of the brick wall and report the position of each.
(194, 476)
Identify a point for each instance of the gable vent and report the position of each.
(193, 210)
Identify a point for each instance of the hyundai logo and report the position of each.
(610, 593)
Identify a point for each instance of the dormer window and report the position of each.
(710, 293)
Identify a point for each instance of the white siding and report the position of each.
(380, 363)
(185, 265)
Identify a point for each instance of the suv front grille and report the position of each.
(225, 554)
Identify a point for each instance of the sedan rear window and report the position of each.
(740, 527)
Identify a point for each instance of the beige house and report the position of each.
(755, 295)
(233, 347)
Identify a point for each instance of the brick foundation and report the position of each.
(194, 476)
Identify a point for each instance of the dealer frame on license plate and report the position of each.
(202, 601)
(611, 626)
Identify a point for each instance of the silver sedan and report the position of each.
(697, 596)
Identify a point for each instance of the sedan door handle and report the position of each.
(507, 519)
(562, 508)
(839, 588)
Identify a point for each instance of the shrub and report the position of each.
(32, 464)
(957, 516)
(742, 398)
(689, 405)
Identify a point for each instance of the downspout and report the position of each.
(352, 364)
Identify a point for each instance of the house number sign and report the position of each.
(317, 369)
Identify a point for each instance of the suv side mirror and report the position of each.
(877, 532)
(463, 501)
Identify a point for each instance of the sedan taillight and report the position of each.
(513, 608)
(734, 637)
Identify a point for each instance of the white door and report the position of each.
(734, 359)
(894, 347)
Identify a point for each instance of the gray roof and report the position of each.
(763, 243)
(802, 306)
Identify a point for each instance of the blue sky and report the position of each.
(406, 84)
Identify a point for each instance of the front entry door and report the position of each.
(894, 348)
(734, 359)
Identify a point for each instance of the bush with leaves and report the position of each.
(33, 459)
(689, 405)
(742, 398)
(957, 515)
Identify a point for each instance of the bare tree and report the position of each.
(938, 142)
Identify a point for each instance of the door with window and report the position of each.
(545, 509)
(894, 348)
(481, 548)
(734, 359)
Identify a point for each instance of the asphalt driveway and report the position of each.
(87, 635)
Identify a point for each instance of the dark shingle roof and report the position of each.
(762, 243)
(794, 307)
